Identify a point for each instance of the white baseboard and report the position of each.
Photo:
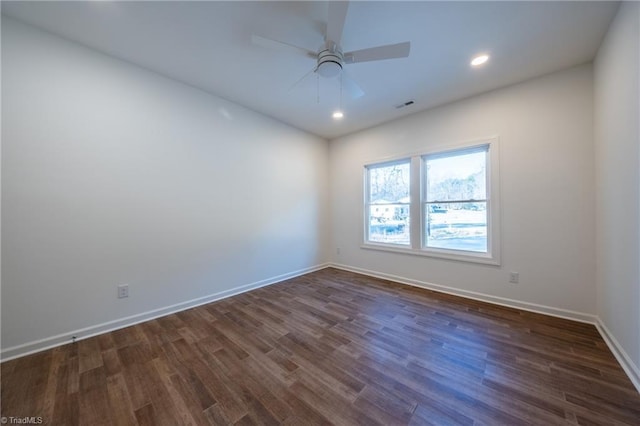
(623, 358)
(503, 301)
(94, 330)
(621, 355)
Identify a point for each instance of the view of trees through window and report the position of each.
(456, 207)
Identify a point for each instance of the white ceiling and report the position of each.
(208, 45)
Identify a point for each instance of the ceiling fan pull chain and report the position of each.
(341, 74)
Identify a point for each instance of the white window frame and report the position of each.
(418, 201)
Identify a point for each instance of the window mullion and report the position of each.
(416, 203)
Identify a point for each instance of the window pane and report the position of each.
(456, 226)
(389, 184)
(389, 223)
(457, 177)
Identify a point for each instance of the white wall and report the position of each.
(112, 174)
(617, 141)
(547, 177)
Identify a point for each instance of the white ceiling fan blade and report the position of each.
(280, 45)
(350, 86)
(389, 51)
(301, 79)
(335, 22)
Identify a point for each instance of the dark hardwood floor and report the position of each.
(330, 347)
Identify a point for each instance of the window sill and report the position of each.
(435, 253)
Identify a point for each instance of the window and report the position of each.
(455, 200)
(451, 197)
(388, 201)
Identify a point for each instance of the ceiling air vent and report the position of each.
(405, 104)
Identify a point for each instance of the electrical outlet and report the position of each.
(514, 277)
(123, 291)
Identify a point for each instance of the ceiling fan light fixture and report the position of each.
(329, 69)
(479, 60)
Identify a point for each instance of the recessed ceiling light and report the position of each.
(479, 60)
(337, 115)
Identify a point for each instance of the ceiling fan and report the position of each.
(330, 58)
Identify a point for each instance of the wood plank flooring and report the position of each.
(331, 347)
